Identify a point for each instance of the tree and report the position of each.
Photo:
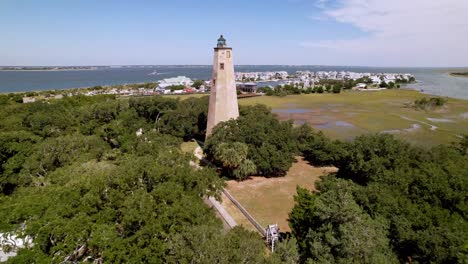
(271, 146)
(233, 159)
(188, 120)
(462, 146)
(57, 152)
(383, 84)
(349, 84)
(176, 87)
(98, 87)
(286, 251)
(369, 156)
(337, 88)
(429, 104)
(49, 120)
(152, 108)
(365, 79)
(317, 148)
(150, 85)
(208, 245)
(15, 147)
(331, 227)
(198, 83)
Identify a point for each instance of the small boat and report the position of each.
(153, 73)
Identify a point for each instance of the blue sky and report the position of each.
(315, 32)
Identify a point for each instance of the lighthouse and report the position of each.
(223, 97)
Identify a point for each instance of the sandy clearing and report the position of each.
(270, 200)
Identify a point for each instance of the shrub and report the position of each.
(431, 103)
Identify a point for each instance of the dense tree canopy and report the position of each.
(103, 180)
(271, 143)
(333, 228)
(188, 120)
(410, 202)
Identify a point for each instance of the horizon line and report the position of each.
(204, 65)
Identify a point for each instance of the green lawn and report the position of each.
(185, 96)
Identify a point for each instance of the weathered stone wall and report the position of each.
(223, 98)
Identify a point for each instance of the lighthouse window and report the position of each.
(221, 66)
(228, 54)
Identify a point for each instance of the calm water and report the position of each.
(432, 81)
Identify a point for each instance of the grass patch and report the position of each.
(270, 200)
(185, 96)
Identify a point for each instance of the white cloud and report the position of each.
(401, 32)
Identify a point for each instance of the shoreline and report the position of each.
(83, 88)
(408, 86)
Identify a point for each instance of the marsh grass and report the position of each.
(374, 112)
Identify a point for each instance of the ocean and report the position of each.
(430, 80)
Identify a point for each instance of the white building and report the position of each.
(361, 85)
(179, 80)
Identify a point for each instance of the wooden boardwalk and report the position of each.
(225, 216)
(249, 217)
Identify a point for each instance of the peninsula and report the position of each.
(459, 74)
(50, 68)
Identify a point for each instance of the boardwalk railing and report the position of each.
(252, 220)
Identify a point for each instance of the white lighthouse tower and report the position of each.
(223, 97)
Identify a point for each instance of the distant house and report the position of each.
(376, 79)
(189, 90)
(282, 74)
(202, 89)
(361, 85)
(160, 89)
(248, 87)
(27, 100)
(179, 80)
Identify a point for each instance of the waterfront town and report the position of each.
(246, 82)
